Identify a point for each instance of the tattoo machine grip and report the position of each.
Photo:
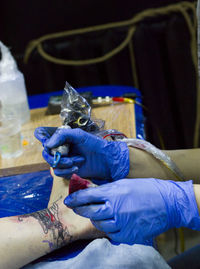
(61, 150)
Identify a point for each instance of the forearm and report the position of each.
(142, 164)
(28, 237)
(188, 161)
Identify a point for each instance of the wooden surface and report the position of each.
(120, 117)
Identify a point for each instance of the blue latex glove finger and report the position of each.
(85, 197)
(65, 162)
(103, 159)
(116, 237)
(95, 211)
(66, 173)
(44, 133)
(107, 226)
(141, 208)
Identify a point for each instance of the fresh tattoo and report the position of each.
(49, 221)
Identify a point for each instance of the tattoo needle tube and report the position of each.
(61, 150)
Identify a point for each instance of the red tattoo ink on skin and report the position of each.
(52, 218)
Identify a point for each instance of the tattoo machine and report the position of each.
(75, 113)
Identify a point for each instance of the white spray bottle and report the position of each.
(13, 94)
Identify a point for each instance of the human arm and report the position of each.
(143, 164)
(25, 238)
(136, 210)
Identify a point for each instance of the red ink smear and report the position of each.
(77, 183)
(52, 218)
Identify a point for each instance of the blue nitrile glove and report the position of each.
(136, 210)
(44, 133)
(89, 156)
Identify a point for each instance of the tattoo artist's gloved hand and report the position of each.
(136, 210)
(89, 156)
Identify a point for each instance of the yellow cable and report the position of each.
(182, 239)
(133, 65)
(127, 23)
(88, 61)
(193, 45)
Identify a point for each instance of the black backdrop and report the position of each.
(163, 60)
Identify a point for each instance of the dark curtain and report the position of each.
(167, 81)
(162, 51)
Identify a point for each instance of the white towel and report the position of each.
(102, 254)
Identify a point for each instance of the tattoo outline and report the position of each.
(49, 220)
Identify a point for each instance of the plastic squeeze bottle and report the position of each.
(13, 93)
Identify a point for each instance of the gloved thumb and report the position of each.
(44, 133)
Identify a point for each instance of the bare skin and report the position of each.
(144, 165)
